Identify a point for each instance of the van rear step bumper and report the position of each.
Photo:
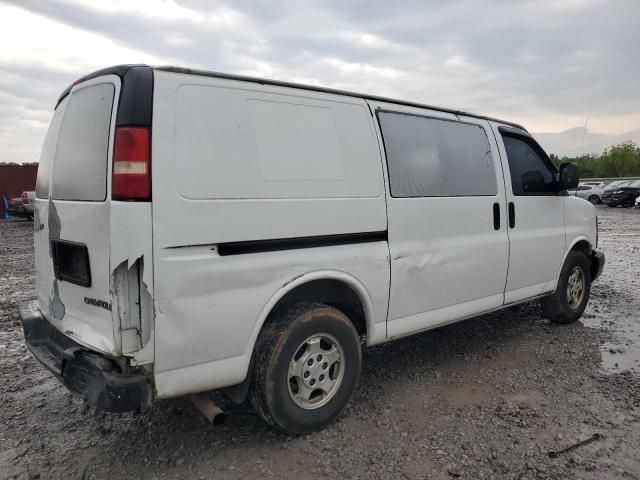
(92, 376)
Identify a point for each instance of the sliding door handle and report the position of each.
(496, 216)
(512, 215)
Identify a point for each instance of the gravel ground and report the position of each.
(486, 398)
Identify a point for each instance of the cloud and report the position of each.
(544, 63)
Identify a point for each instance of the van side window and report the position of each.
(530, 173)
(430, 157)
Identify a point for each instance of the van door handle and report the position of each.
(512, 215)
(496, 216)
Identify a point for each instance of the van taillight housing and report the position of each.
(131, 164)
(25, 198)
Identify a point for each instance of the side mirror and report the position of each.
(568, 176)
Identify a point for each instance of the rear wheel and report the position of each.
(568, 302)
(306, 366)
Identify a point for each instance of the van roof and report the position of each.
(120, 70)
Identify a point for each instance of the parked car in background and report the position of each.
(638, 202)
(21, 207)
(625, 196)
(12, 206)
(28, 202)
(592, 193)
(595, 184)
(612, 187)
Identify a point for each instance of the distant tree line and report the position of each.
(622, 160)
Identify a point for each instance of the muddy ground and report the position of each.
(486, 398)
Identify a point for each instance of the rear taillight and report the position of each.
(25, 198)
(131, 164)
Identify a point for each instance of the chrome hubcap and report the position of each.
(316, 371)
(575, 287)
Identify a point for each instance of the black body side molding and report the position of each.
(258, 246)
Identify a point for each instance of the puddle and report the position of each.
(615, 304)
(616, 358)
(460, 396)
(467, 395)
(622, 350)
(531, 397)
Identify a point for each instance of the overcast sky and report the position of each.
(547, 64)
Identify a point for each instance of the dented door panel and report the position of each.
(448, 259)
(82, 312)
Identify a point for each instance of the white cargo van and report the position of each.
(198, 231)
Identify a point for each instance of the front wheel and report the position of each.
(306, 366)
(568, 302)
(594, 199)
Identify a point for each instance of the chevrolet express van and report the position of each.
(197, 231)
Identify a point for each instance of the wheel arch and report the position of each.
(287, 294)
(330, 285)
(579, 244)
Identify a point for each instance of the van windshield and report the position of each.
(80, 166)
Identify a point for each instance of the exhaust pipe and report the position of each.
(208, 408)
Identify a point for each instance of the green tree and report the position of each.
(622, 160)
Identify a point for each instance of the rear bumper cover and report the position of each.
(597, 264)
(92, 376)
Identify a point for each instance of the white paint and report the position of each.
(206, 163)
(238, 161)
(216, 305)
(88, 223)
(536, 243)
(446, 257)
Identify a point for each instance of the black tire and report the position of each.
(594, 199)
(556, 307)
(278, 343)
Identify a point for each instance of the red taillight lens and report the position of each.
(131, 164)
(25, 198)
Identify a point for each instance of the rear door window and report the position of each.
(80, 166)
(431, 157)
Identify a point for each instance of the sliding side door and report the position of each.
(446, 217)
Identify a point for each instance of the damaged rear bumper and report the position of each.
(94, 377)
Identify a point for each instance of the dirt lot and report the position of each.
(486, 398)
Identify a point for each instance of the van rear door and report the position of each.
(89, 249)
(72, 215)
